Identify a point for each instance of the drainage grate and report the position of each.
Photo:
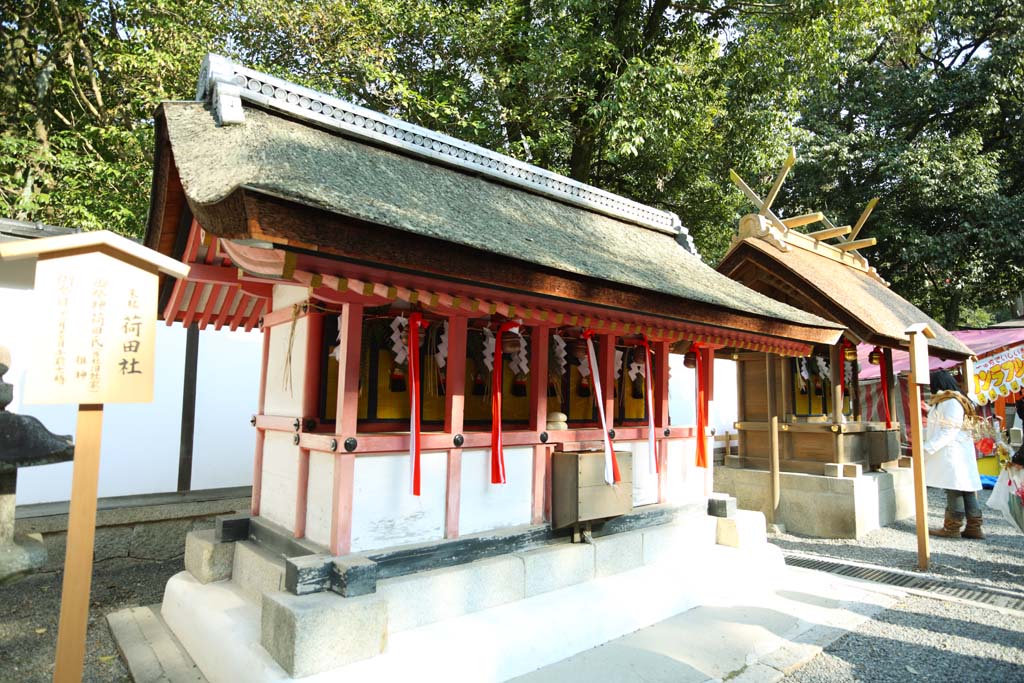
(989, 596)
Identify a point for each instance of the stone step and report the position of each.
(256, 571)
(150, 651)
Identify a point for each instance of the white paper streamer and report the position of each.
(489, 344)
(441, 355)
(559, 351)
(609, 472)
(399, 347)
(520, 362)
(618, 363)
(823, 370)
(336, 353)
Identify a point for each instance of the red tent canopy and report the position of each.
(999, 370)
(982, 342)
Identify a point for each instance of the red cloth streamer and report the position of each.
(497, 379)
(885, 371)
(655, 465)
(611, 463)
(416, 321)
(702, 407)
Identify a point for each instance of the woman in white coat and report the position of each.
(949, 460)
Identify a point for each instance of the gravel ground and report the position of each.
(924, 639)
(997, 561)
(30, 610)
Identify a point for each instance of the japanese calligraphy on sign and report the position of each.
(96, 333)
(999, 375)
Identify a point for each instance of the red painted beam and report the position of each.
(455, 398)
(369, 444)
(539, 340)
(230, 303)
(346, 422)
(211, 306)
(254, 317)
(257, 475)
(214, 275)
(310, 410)
(193, 304)
(243, 306)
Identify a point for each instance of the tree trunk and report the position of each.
(952, 313)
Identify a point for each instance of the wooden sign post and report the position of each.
(95, 333)
(919, 374)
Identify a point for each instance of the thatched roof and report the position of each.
(281, 157)
(854, 297)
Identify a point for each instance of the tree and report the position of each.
(922, 113)
(80, 81)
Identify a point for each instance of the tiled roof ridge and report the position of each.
(226, 84)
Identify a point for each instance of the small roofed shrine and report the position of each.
(806, 412)
(461, 351)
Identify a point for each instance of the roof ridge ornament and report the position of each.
(778, 232)
(226, 84)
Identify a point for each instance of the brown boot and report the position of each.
(950, 526)
(973, 529)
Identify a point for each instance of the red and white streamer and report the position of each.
(497, 380)
(611, 465)
(702, 406)
(416, 321)
(649, 394)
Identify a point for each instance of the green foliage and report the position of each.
(914, 100)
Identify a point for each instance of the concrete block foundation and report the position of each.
(466, 620)
(307, 634)
(206, 559)
(825, 506)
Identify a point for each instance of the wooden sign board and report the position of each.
(95, 331)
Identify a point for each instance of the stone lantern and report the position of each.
(24, 442)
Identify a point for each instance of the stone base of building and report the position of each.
(845, 503)
(488, 620)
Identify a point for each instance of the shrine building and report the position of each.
(463, 392)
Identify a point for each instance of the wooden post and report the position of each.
(785, 406)
(345, 426)
(967, 380)
(773, 445)
(660, 360)
(835, 353)
(261, 435)
(539, 338)
(74, 606)
(188, 408)
(890, 384)
(919, 335)
(314, 358)
(773, 439)
(454, 416)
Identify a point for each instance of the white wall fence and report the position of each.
(141, 442)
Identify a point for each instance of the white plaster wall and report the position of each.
(141, 441)
(487, 506)
(645, 483)
(280, 479)
(682, 395)
(286, 295)
(685, 482)
(318, 497)
(384, 511)
(282, 397)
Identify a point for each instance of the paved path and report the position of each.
(760, 638)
